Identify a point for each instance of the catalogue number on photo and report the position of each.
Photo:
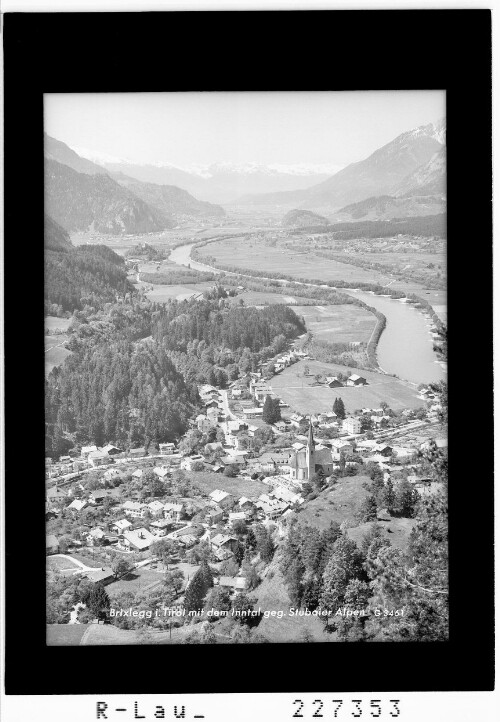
(337, 708)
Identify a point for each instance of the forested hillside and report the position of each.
(116, 388)
(56, 238)
(432, 225)
(116, 392)
(79, 202)
(234, 327)
(85, 275)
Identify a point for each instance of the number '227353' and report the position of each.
(352, 707)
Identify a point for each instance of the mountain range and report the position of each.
(411, 164)
(220, 182)
(81, 195)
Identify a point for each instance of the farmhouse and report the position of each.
(120, 525)
(77, 505)
(340, 446)
(173, 512)
(54, 494)
(224, 543)
(86, 450)
(213, 515)
(156, 508)
(98, 458)
(137, 539)
(188, 462)
(98, 495)
(134, 509)
(205, 424)
(254, 413)
(222, 498)
(355, 380)
(233, 584)
(160, 527)
(333, 382)
(111, 450)
(94, 536)
(245, 504)
(166, 449)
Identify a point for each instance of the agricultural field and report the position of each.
(342, 502)
(338, 503)
(136, 580)
(54, 324)
(65, 635)
(55, 353)
(162, 293)
(419, 260)
(61, 564)
(262, 298)
(305, 264)
(208, 481)
(302, 265)
(299, 393)
(338, 324)
(397, 531)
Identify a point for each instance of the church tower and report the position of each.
(311, 466)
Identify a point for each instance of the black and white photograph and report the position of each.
(245, 357)
(248, 291)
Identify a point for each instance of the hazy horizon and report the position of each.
(327, 128)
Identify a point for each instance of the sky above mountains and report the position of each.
(197, 129)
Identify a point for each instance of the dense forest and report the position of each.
(234, 327)
(117, 392)
(171, 276)
(120, 389)
(84, 275)
(434, 225)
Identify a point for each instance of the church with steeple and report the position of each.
(306, 461)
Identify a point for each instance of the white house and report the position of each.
(156, 508)
(352, 425)
(120, 525)
(173, 512)
(136, 539)
(166, 449)
(134, 509)
(222, 498)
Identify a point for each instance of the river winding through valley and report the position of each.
(405, 347)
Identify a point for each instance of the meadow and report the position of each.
(53, 323)
(305, 264)
(298, 392)
(338, 324)
(238, 486)
(342, 502)
(54, 352)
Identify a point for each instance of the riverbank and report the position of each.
(397, 341)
